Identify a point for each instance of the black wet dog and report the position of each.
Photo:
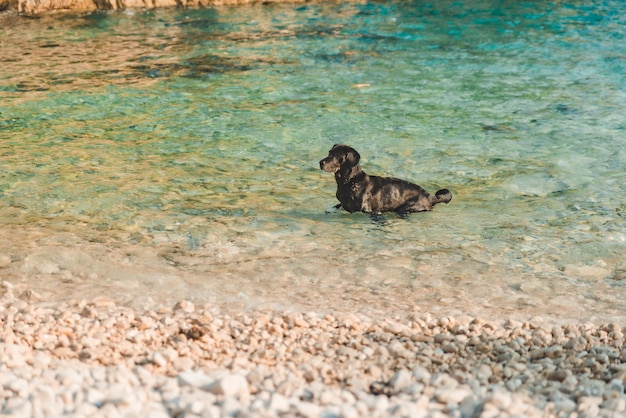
(358, 191)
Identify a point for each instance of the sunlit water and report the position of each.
(174, 154)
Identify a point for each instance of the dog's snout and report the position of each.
(326, 164)
(329, 164)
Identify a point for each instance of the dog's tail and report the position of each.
(442, 196)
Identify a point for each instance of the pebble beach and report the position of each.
(101, 359)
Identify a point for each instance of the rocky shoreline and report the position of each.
(38, 7)
(99, 358)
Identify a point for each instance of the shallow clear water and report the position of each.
(174, 154)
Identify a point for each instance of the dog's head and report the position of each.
(340, 156)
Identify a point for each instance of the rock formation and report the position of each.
(35, 7)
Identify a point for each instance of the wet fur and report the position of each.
(357, 191)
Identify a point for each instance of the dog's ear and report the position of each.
(353, 157)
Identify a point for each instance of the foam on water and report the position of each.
(174, 154)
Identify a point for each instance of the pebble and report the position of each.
(452, 396)
(194, 379)
(101, 359)
(400, 380)
(230, 385)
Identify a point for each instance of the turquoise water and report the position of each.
(168, 154)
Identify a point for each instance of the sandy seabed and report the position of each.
(98, 358)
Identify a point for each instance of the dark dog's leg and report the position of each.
(403, 214)
(404, 210)
(378, 218)
(334, 209)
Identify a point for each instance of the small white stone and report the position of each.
(422, 375)
(158, 359)
(452, 395)
(94, 397)
(41, 360)
(444, 380)
(409, 409)
(185, 306)
(194, 379)
(367, 351)
(308, 409)
(397, 350)
(278, 404)
(14, 355)
(614, 405)
(231, 406)
(257, 375)
(195, 407)
(397, 328)
(484, 372)
(327, 397)
(230, 385)
(347, 397)
(616, 386)
(89, 342)
(470, 407)
(169, 354)
(414, 389)
(501, 399)
(211, 411)
(513, 384)
(69, 377)
(154, 409)
(348, 411)
(381, 403)
(21, 408)
(589, 403)
(85, 410)
(45, 403)
(565, 405)
(18, 386)
(400, 380)
(99, 374)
